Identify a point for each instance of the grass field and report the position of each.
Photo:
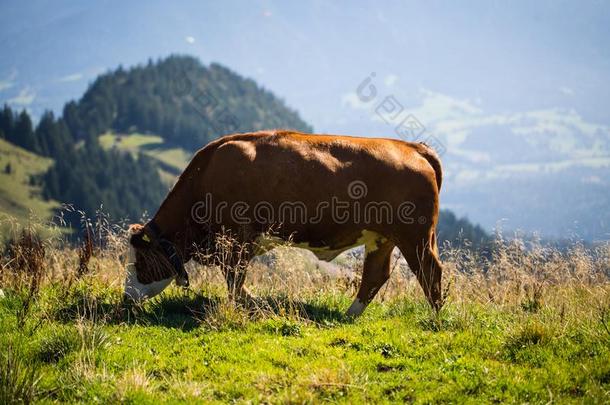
(173, 159)
(534, 327)
(19, 197)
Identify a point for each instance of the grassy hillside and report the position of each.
(19, 198)
(533, 327)
(173, 159)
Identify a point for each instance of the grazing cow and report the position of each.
(323, 193)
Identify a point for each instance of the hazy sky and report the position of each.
(517, 91)
(502, 56)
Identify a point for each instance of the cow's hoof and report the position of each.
(244, 298)
(182, 281)
(356, 309)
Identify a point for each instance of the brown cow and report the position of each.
(325, 193)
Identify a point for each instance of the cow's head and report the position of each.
(152, 264)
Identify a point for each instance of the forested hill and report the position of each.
(180, 100)
(81, 173)
(185, 102)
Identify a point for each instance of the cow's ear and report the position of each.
(139, 238)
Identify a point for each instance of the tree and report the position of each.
(460, 231)
(23, 133)
(7, 119)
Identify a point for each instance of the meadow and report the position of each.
(19, 194)
(526, 323)
(172, 160)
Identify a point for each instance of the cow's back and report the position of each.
(278, 168)
(290, 165)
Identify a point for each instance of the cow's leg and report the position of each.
(423, 260)
(374, 275)
(235, 278)
(234, 266)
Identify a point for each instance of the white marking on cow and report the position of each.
(371, 241)
(356, 308)
(138, 291)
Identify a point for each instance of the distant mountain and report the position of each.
(185, 102)
(544, 172)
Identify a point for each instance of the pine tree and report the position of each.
(7, 120)
(23, 133)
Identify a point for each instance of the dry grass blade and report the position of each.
(85, 252)
(25, 263)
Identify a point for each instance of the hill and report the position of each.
(187, 103)
(164, 98)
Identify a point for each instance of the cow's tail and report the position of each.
(435, 161)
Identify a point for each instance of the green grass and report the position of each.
(128, 142)
(526, 326)
(173, 159)
(195, 347)
(19, 198)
